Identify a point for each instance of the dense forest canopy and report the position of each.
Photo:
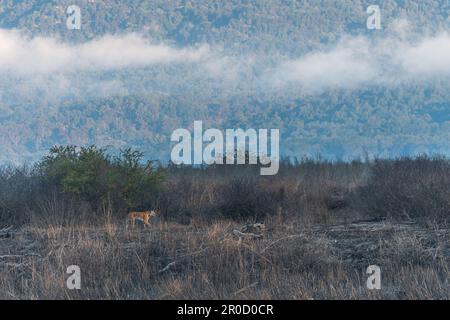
(231, 64)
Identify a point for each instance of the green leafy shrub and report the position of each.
(117, 182)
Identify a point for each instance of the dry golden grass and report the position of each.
(312, 247)
(206, 261)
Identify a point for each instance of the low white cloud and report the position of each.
(359, 61)
(41, 55)
(353, 62)
(346, 65)
(430, 57)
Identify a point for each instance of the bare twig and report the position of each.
(16, 256)
(246, 235)
(6, 229)
(166, 268)
(6, 232)
(14, 264)
(245, 288)
(278, 240)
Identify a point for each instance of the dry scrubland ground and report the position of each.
(207, 261)
(324, 225)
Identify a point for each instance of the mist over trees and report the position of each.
(141, 106)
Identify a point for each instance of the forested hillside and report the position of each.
(245, 79)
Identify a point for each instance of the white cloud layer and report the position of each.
(431, 57)
(358, 61)
(351, 63)
(346, 65)
(46, 55)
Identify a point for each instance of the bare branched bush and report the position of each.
(408, 188)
